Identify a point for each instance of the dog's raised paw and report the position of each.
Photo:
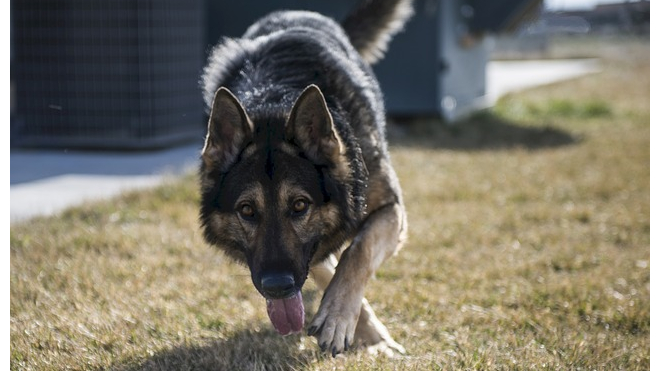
(334, 334)
(334, 324)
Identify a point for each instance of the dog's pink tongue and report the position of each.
(287, 315)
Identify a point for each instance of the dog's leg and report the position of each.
(370, 332)
(343, 303)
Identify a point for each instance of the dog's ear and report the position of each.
(229, 129)
(311, 127)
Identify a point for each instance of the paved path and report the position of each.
(504, 77)
(46, 182)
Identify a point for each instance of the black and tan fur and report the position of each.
(295, 175)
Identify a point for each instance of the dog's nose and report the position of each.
(278, 285)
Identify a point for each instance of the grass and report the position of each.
(529, 249)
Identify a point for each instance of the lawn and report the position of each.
(528, 249)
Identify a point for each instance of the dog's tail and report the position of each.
(373, 23)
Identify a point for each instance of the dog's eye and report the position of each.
(246, 211)
(299, 206)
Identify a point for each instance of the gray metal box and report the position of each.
(106, 73)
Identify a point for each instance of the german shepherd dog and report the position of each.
(295, 174)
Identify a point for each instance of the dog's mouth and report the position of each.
(288, 314)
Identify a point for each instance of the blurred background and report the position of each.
(124, 73)
(98, 85)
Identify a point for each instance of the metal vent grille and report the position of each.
(106, 73)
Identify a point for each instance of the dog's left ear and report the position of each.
(311, 127)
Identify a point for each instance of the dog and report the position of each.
(295, 175)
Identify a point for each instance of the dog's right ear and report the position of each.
(229, 129)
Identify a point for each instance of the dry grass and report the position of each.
(529, 249)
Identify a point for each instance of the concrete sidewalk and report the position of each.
(47, 182)
(503, 77)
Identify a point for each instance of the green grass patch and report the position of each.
(528, 249)
(564, 108)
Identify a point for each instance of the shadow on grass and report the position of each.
(482, 131)
(258, 347)
(246, 350)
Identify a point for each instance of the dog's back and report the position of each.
(286, 36)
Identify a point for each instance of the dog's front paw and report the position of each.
(335, 322)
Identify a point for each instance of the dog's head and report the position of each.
(279, 194)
